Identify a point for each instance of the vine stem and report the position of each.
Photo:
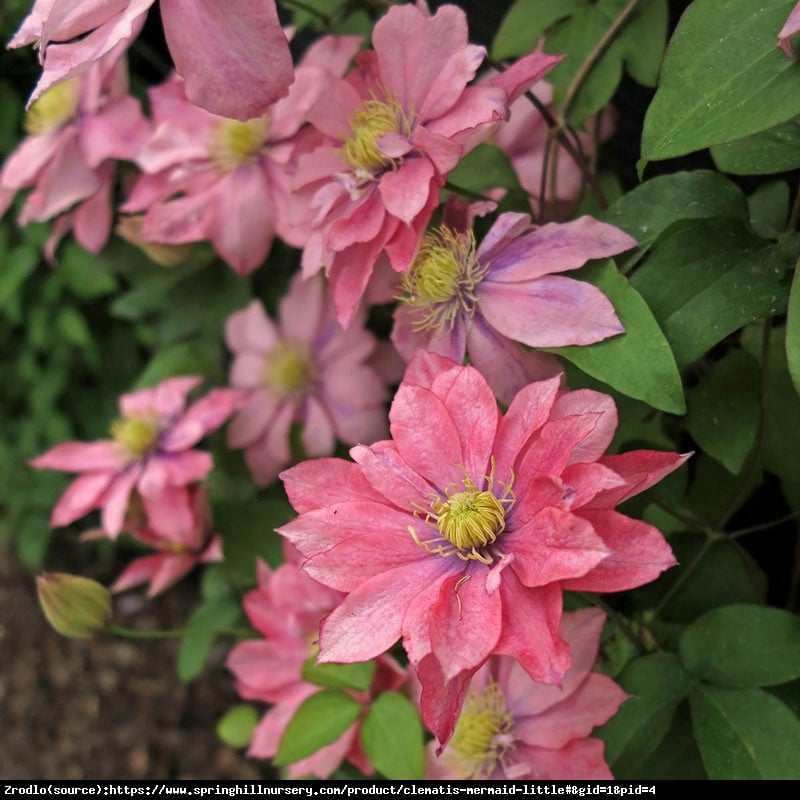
(612, 613)
(130, 633)
(684, 576)
(593, 56)
(764, 525)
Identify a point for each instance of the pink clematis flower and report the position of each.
(460, 534)
(396, 125)
(227, 181)
(233, 55)
(303, 369)
(177, 522)
(512, 728)
(150, 451)
(76, 131)
(789, 29)
(286, 608)
(457, 300)
(524, 139)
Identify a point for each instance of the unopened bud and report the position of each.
(75, 607)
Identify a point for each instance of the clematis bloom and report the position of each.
(302, 369)
(76, 131)
(286, 609)
(486, 302)
(233, 55)
(177, 523)
(460, 534)
(789, 29)
(395, 126)
(150, 450)
(512, 728)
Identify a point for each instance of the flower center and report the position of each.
(373, 119)
(237, 144)
(442, 279)
(58, 105)
(468, 519)
(136, 435)
(288, 369)
(482, 735)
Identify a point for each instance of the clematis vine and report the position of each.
(286, 609)
(512, 728)
(226, 180)
(76, 131)
(487, 301)
(150, 450)
(460, 534)
(395, 126)
(233, 55)
(304, 369)
(177, 523)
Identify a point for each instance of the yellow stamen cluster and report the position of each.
(482, 736)
(468, 519)
(136, 435)
(288, 369)
(373, 119)
(442, 279)
(236, 144)
(57, 106)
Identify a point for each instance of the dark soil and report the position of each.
(107, 708)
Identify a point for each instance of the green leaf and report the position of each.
(723, 78)
(200, 632)
(769, 209)
(658, 204)
(743, 646)
(639, 363)
(237, 725)
(657, 684)
(707, 280)
(320, 720)
(86, 275)
(339, 676)
(392, 738)
(745, 734)
(186, 358)
(18, 266)
(723, 410)
(526, 21)
(677, 757)
(764, 153)
(484, 167)
(645, 38)
(793, 332)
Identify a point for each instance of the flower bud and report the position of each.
(74, 606)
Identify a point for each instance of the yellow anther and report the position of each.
(373, 119)
(136, 435)
(237, 144)
(288, 369)
(58, 105)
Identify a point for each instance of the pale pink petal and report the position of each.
(638, 555)
(32, 155)
(179, 221)
(406, 190)
(331, 116)
(387, 473)
(80, 457)
(268, 733)
(789, 29)
(549, 312)
(115, 501)
(139, 571)
(640, 470)
(313, 484)
(587, 401)
(252, 422)
(233, 56)
(187, 467)
(83, 495)
(301, 309)
(471, 119)
(362, 223)
(119, 132)
(31, 28)
(267, 670)
(268, 455)
(202, 418)
(251, 329)
(170, 515)
(523, 73)
(318, 437)
(441, 700)
(171, 569)
(93, 218)
(581, 759)
(247, 371)
(169, 397)
(409, 341)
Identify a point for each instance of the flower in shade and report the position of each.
(302, 369)
(525, 137)
(511, 727)
(76, 130)
(789, 29)
(233, 54)
(225, 180)
(286, 609)
(177, 523)
(150, 450)
(487, 301)
(460, 534)
(395, 126)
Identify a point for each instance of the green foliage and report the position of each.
(237, 726)
(723, 78)
(392, 737)
(339, 676)
(793, 332)
(525, 22)
(764, 153)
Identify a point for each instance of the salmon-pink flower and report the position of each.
(75, 130)
(302, 369)
(487, 302)
(224, 180)
(396, 125)
(177, 522)
(150, 451)
(514, 728)
(460, 534)
(789, 29)
(233, 54)
(287, 608)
